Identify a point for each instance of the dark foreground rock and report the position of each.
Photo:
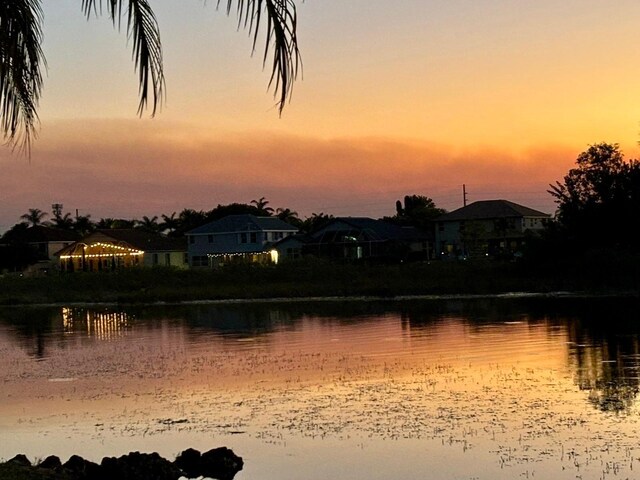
(218, 463)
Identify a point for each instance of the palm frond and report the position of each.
(20, 77)
(281, 39)
(142, 28)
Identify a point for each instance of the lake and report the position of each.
(451, 388)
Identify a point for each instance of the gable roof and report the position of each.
(243, 223)
(135, 238)
(145, 240)
(485, 209)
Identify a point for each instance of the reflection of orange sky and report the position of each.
(373, 379)
(314, 353)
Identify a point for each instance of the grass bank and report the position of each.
(314, 278)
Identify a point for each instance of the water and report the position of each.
(499, 388)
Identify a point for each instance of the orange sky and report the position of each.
(417, 97)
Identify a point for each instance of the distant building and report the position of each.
(31, 250)
(237, 238)
(487, 228)
(112, 249)
(363, 238)
(46, 241)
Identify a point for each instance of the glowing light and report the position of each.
(274, 256)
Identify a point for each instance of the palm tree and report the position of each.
(21, 56)
(262, 206)
(169, 223)
(289, 216)
(149, 224)
(83, 224)
(34, 217)
(63, 221)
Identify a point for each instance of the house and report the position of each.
(45, 241)
(487, 228)
(237, 238)
(31, 250)
(290, 247)
(363, 238)
(112, 249)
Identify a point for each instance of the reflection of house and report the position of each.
(488, 227)
(122, 248)
(236, 238)
(358, 238)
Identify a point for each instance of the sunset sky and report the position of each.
(395, 98)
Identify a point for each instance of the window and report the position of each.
(254, 237)
(154, 259)
(185, 259)
(167, 259)
(243, 238)
(199, 261)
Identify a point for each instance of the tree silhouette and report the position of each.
(63, 221)
(21, 55)
(34, 217)
(599, 197)
(83, 224)
(262, 205)
(169, 223)
(289, 216)
(149, 224)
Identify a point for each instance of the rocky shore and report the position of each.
(218, 463)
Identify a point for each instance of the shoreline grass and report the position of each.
(321, 279)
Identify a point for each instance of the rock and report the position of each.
(136, 466)
(189, 462)
(21, 460)
(81, 469)
(219, 463)
(51, 463)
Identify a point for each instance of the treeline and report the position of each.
(598, 210)
(173, 225)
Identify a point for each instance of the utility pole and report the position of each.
(464, 195)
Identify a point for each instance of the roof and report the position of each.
(243, 223)
(485, 209)
(136, 238)
(42, 234)
(145, 240)
(375, 229)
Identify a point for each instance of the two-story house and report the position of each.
(236, 238)
(487, 228)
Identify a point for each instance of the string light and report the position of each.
(123, 251)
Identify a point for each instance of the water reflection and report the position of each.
(603, 335)
(103, 325)
(502, 387)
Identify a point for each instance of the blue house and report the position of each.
(236, 238)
